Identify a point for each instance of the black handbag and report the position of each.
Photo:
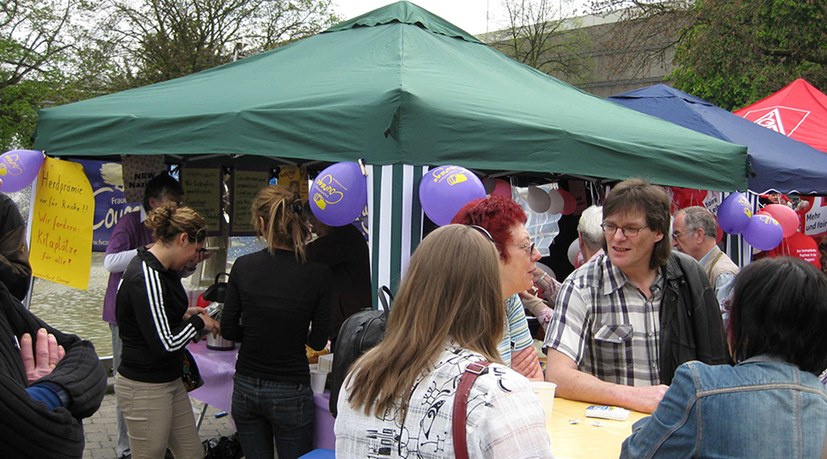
(190, 375)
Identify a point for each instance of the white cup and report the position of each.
(545, 395)
(317, 380)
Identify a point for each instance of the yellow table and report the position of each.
(584, 439)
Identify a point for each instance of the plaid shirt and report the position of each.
(607, 326)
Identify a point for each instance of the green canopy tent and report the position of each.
(403, 89)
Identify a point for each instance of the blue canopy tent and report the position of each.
(779, 163)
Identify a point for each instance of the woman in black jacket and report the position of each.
(155, 324)
(273, 297)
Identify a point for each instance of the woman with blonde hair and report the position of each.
(399, 396)
(155, 324)
(275, 303)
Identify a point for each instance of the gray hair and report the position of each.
(589, 227)
(696, 217)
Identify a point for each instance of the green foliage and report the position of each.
(739, 51)
(164, 39)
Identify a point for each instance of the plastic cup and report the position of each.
(317, 381)
(545, 395)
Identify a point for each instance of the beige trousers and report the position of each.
(158, 415)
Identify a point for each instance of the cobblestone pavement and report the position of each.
(102, 429)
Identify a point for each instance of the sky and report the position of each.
(473, 16)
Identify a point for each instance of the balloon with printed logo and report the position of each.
(569, 202)
(556, 202)
(538, 200)
(763, 232)
(501, 188)
(734, 213)
(338, 194)
(18, 168)
(446, 189)
(785, 216)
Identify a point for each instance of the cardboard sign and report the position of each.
(246, 184)
(202, 192)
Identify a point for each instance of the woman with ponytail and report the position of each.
(155, 325)
(276, 302)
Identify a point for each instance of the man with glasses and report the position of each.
(626, 319)
(693, 233)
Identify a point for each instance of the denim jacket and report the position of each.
(760, 408)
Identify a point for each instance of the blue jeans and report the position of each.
(263, 410)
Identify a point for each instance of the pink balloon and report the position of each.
(18, 168)
(785, 216)
(569, 201)
(502, 188)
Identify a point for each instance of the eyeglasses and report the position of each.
(482, 231)
(627, 231)
(678, 234)
(200, 235)
(529, 248)
(201, 251)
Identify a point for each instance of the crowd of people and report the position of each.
(656, 319)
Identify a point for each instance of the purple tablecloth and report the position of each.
(218, 367)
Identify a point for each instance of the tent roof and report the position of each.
(798, 110)
(398, 85)
(779, 163)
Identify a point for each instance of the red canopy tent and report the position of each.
(798, 110)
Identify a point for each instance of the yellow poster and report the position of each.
(294, 178)
(63, 212)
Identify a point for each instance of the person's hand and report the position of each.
(193, 311)
(527, 364)
(646, 398)
(210, 324)
(46, 355)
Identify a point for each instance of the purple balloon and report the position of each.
(339, 194)
(763, 232)
(446, 189)
(18, 168)
(735, 213)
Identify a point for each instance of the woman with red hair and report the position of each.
(505, 222)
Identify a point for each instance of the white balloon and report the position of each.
(538, 200)
(574, 249)
(556, 202)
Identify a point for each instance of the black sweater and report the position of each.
(271, 302)
(27, 427)
(149, 309)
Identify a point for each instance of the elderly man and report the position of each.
(693, 233)
(627, 318)
(590, 233)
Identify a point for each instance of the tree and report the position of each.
(541, 34)
(730, 52)
(35, 45)
(644, 35)
(164, 39)
(739, 51)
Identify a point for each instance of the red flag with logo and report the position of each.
(799, 111)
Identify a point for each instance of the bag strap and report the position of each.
(466, 381)
(385, 293)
